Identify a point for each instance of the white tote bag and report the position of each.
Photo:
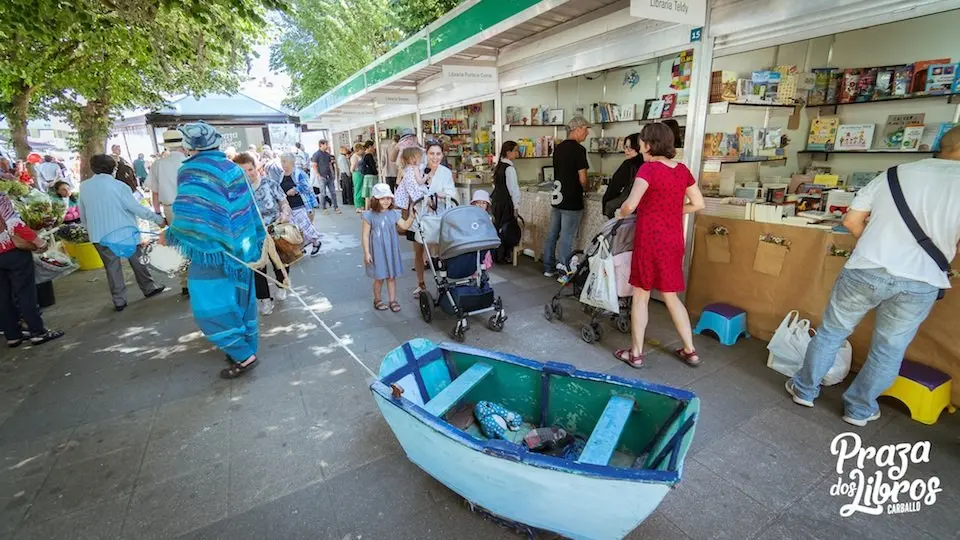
(600, 289)
(789, 344)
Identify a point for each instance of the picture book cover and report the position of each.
(854, 137)
(849, 86)
(514, 115)
(928, 138)
(731, 147)
(919, 83)
(728, 88)
(833, 91)
(892, 136)
(902, 80)
(823, 133)
(821, 86)
(911, 138)
(827, 180)
(711, 145)
(866, 85)
(669, 105)
(857, 180)
(746, 142)
(940, 78)
(656, 109)
(555, 117)
(884, 83)
(535, 116)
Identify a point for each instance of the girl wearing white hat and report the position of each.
(381, 245)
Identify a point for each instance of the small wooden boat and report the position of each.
(636, 433)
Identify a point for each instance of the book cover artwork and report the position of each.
(823, 133)
(940, 78)
(854, 137)
(892, 136)
(911, 138)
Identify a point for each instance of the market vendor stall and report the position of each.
(768, 280)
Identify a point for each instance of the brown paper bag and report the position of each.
(832, 265)
(718, 249)
(769, 258)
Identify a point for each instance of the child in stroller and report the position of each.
(466, 234)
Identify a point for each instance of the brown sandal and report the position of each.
(627, 357)
(237, 369)
(689, 358)
(395, 307)
(379, 305)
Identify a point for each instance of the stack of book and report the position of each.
(611, 112)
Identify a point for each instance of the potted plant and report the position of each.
(77, 244)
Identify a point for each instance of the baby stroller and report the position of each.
(466, 235)
(618, 234)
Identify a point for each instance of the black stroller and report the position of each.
(466, 235)
(618, 234)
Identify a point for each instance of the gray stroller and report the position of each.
(465, 235)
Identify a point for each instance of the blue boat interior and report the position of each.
(628, 425)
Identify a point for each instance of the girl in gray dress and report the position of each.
(381, 245)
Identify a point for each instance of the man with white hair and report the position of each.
(296, 186)
(162, 181)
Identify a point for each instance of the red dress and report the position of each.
(658, 242)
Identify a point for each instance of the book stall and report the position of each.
(469, 144)
(793, 132)
(618, 101)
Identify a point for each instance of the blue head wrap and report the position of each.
(200, 136)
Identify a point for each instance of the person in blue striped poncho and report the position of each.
(216, 226)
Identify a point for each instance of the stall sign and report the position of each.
(692, 12)
(470, 74)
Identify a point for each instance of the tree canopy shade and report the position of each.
(322, 42)
(95, 57)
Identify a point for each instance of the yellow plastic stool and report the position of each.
(924, 390)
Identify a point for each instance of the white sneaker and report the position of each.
(798, 400)
(562, 268)
(266, 306)
(281, 294)
(549, 274)
(861, 423)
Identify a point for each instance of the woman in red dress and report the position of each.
(663, 191)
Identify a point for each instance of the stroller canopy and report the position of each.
(464, 229)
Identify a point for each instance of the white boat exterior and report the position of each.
(579, 505)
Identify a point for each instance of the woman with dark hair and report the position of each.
(622, 180)
(505, 199)
(663, 192)
(127, 175)
(675, 128)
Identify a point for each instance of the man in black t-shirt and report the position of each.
(570, 179)
(323, 163)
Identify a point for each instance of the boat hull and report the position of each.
(572, 504)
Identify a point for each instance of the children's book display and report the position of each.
(892, 137)
(539, 147)
(823, 133)
(854, 137)
(602, 113)
(603, 145)
(749, 143)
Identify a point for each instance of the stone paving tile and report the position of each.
(269, 467)
(179, 504)
(16, 495)
(99, 522)
(75, 486)
(706, 505)
(31, 456)
(93, 439)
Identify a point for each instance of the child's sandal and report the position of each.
(379, 306)
(395, 307)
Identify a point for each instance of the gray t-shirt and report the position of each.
(323, 159)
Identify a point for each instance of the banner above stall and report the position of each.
(692, 12)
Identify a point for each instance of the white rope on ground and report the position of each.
(335, 337)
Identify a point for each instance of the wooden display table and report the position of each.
(804, 283)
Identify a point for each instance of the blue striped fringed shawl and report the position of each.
(215, 213)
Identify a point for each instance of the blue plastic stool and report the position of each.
(726, 321)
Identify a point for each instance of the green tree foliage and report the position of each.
(414, 15)
(97, 57)
(322, 42)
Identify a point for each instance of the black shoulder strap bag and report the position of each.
(893, 180)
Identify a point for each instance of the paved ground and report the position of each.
(123, 430)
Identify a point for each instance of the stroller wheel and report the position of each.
(587, 334)
(495, 323)
(597, 330)
(458, 333)
(557, 309)
(548, 312)
(623, 324)
(426, 306)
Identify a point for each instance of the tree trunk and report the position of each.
(93, 127)
(17, 119)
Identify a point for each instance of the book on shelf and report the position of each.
(656, 109)
(828, 180)
(853, 137)
(514, 115)
(821, 84)
(920, 73)
(823, 133)
(535, 116)
(883, 87)
(892, 136)
(611, 112)
(849, 86)
(944, 128)
(555, 117)
(940, 78)
(839, 200)
(866, 85)
(746, 142)
(769, 142)
(723, 86)
(911, 138)
(669, 105)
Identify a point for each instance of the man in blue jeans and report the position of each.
(570, 179)
(890, 272)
